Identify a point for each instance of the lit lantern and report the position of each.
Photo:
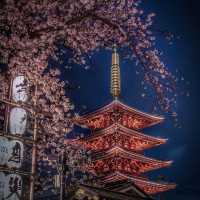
(19, 89)
(13, 187)
(18, 116)
(18, 121)
(16, 150)
(11, 152)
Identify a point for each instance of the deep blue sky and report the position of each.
(182, 18)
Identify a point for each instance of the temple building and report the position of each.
(117, 144)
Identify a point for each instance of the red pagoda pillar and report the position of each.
(117, 143)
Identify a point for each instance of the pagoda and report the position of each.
(117, 143)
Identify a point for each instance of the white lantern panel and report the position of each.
(19, 89)
(13, 187)
(16, 150)
(18, 121)
(11, 152)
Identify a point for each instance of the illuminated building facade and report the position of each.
(117, 142)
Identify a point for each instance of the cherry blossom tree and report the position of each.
(31, 30)
(30, 34)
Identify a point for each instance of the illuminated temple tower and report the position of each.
(117, 143)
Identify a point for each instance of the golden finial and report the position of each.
(115, 74)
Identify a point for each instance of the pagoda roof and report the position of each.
(117, 157)
(125, 131)
(118, 104)
(140, 119)
(148, 186)
(91, 191)
(127, 187)
(118, 151)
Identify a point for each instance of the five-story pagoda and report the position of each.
(117, 143)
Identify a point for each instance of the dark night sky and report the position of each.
(182, 18)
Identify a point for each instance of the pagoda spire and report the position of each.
(115, 74)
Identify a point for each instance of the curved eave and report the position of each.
(125, 131)
(136, 180)
(120, 176)
(117, 150)
(150, 116)
(117, 103)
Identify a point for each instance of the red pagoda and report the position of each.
(117, 143)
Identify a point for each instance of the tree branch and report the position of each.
(73, 20)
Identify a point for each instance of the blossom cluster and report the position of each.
(30, 31)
